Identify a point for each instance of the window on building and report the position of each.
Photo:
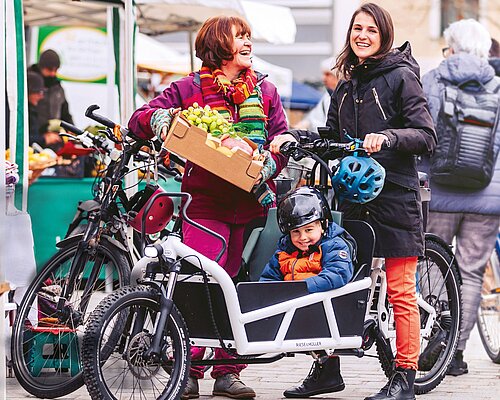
(454, 10)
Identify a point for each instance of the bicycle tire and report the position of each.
(47, 380)
(436, 265)
(123, 371)
(488, 322)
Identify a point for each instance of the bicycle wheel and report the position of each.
(114, 368)
(438, 286)
(488, 320)
(46, 352)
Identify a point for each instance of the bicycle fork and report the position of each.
(166, 305)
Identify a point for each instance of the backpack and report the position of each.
(467, 122)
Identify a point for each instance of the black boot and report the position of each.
(324, 377)
(457, 365)
(399, 387)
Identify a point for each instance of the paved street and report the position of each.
(362, 377)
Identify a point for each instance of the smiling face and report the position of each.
(364, 37)
(306, 235)
(242, 50)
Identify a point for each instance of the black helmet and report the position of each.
(302, 206)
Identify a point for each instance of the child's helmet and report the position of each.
(302, 206)
(358, 179)
(159, 215)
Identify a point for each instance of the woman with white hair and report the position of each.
(472, 217)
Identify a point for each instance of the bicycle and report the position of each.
(185, 299)
(488, 320)
(94, 257)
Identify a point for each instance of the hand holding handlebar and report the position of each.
(374, 142)
(279, 140)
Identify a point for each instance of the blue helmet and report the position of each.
(358, 179)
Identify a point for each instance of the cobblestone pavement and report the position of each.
(362, 377)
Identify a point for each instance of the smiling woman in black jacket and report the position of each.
(381, 101)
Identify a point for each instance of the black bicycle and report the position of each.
(94, 259)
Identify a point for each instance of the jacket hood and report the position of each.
(495, 63)
(462, 67)
(398, 57)
(333, 230)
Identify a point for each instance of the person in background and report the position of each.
(381, 102)
(227, 83)
(317, 116)
(36, 91)
(494, 55)
(54, 105)
(470, 217)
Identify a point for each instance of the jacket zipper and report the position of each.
(342, 102)
(293, 268)
(377, 101)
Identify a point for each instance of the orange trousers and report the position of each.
(401, 290)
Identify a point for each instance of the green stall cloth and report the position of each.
(52, 204)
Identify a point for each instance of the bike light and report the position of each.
(153, 251)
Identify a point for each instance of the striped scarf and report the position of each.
(243, 92)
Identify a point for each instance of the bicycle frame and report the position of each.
(381, 312)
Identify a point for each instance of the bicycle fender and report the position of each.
(69, 240)
(76, 238)
(89, 205)
(447, 247)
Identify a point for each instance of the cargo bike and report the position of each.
(137, 342)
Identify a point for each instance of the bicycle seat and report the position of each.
(261, 245)
(364, 236)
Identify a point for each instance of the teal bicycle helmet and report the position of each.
(358, 179)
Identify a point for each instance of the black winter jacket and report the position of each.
(53, 105)
(385, 96)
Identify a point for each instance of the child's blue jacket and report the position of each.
(336, 261)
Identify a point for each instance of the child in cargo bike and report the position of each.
(315, 249)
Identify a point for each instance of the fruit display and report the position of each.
(222, 135)
(42, 159)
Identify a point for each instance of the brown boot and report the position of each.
(230, 385)
(192, 390)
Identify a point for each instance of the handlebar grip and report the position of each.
(71, 128)
(98, 118)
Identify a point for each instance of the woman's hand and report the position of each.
(373, 142)
(164, 130)
(278, 141)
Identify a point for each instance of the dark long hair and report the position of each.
(347, 59)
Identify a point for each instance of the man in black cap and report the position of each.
(36, 92)
(54, 104)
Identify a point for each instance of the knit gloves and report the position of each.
(264, 195)
(161, 118)
(269, 167)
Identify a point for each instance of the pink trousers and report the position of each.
(210, 246)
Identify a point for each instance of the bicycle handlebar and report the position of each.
(99, 118)
(71, 128)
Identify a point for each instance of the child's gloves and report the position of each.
(161, 120)
(269, 167)
(264, 195)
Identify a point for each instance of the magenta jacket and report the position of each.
(213, 197)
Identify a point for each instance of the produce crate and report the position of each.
(190, 142)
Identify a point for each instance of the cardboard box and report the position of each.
(190, 142)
